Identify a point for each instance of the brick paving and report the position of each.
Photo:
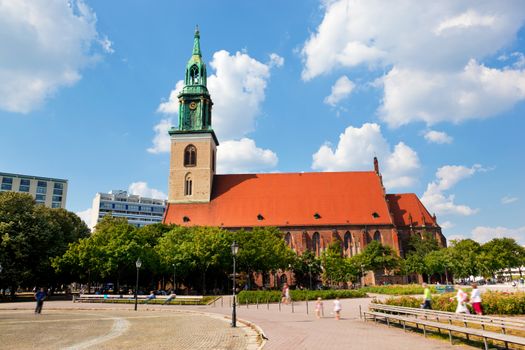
(285, 330)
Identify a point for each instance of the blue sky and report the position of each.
(435, 91)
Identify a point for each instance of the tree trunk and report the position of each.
(204, 282)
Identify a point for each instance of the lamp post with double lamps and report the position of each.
(138, 264)
(235, 250)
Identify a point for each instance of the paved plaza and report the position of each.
(64, 324)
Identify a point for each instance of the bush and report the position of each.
(398, 289)
(494, 303)
(253, 297)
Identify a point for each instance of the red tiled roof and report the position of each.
(339, 198)
(402, 206)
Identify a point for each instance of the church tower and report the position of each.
(193, 142)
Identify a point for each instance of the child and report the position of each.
(337, 308)
(461, 298)
(319, 308)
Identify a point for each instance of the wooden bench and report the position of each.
(93, 298)
(482, 320)
(403, 320)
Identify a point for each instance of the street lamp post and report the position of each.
(174, 278)
(235, 250)
(138, 264)
(310, 271)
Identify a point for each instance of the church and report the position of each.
(312, 209)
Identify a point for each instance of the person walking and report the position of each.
(319, 310)
(475, 299)
(337, 308)
(40, 296)
(427, 297)
(461, 298)
(285, 294)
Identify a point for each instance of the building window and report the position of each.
(133, 207)
(316, 243)
(55, 205)
(42, 184)
(57, 191)
(119, 206)
(348, 243)
(57, 198)
(377, 236)
(7, 183)
(106, 205)
(194, 75)
(59, 185)
(188, 186)
(288, 238)
(24, 185)
(41, 190)
(40, 197)
(190, 156)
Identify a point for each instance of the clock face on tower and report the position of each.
(193, 105)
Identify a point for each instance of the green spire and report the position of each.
(197, 43)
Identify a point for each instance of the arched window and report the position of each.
(288, 238)
(188, 185)
(316, 243)
(377, 236)
(283, 279)
(194, 75)
(348, 244)
(190, 156)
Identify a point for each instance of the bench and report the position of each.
(93, 298)
(482, 320)
(444, 289)
(403, 320)
(415, 316)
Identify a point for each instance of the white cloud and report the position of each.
(85, 215)
(243, 156)
(342, 88)
(161, 140)
(238, 90)
(457, 237)
(431, 55)
(475, 92)
(107, 45)
(44, 45)
(447, 225)
(171, 106)
(142, 189)
(447, 177)
(508, 200)
(358, 146)
(276, 60)
(433, 136)
(467, 19)
(484, 234)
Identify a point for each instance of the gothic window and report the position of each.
(188, 185)
(377, 236)
(316, 243)
(190, 156)
(348, 243)
(288, 238)
(194, 75)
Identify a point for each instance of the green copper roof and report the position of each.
(197, 43)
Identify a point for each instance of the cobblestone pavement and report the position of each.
(64, 325)
(284, 329)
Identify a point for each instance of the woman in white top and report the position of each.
(475, 299)
(461, 298)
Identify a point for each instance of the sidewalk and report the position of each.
(287, 330)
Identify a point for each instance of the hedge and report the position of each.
(494, 303)
(253, 297)
(204, 301)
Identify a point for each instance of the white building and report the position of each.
(46, 191)
(139, 211)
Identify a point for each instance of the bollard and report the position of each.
(307, 306)
(292, 307)
(268, 303)
(230, 302)
(360, 314)
(279, 306)
(246, 303)
(222, 299)
(257, 303)
(214, 300)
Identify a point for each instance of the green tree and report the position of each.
(499, 254)
(30, 236)
(305, 267)
(463, 256)
(378, 257)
